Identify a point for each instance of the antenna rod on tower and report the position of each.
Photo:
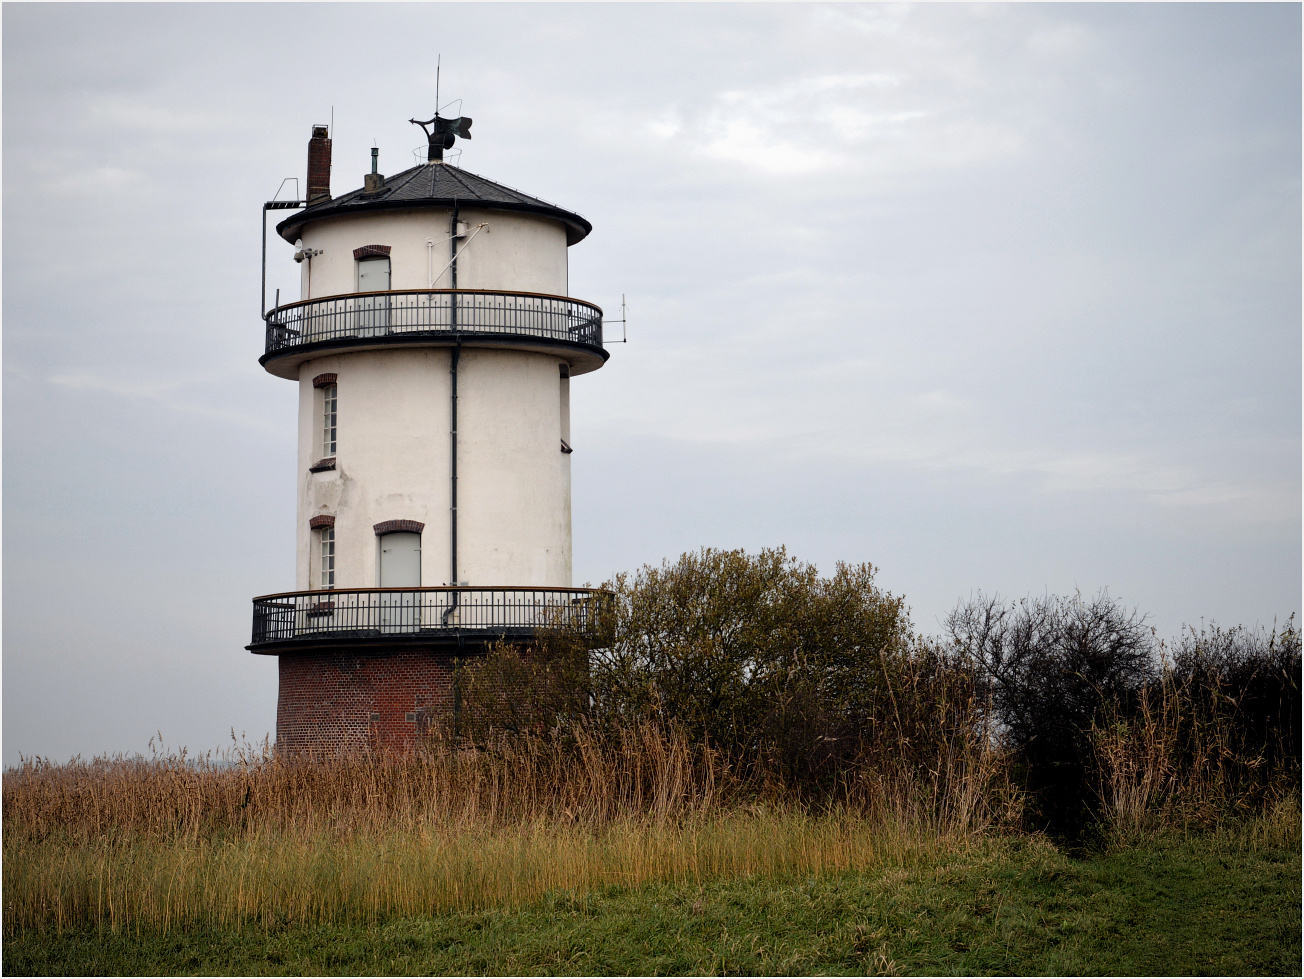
(442, 133)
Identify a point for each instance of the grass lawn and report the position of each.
(1193, 906)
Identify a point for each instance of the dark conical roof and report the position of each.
(434, 185)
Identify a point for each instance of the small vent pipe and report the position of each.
(372, 182)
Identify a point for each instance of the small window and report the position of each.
(326, 556)
(330, 407)
(565, 409)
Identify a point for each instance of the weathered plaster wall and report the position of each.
(393, 462)
(514, 253)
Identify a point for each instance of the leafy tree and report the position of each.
(756, 655)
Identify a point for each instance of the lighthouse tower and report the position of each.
(433, 343)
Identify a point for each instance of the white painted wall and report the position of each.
(394, 449)
(514, 253)
(515, 482)
(393, 458)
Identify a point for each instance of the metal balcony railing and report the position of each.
(381, 613)
(444, 313)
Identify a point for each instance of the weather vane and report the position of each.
(442, 132)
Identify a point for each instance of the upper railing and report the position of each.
(447, 314)
(433, 614)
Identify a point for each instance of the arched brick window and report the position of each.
(327, 400)
(323, 550)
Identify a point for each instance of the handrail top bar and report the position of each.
(416, 292)
(432, 588)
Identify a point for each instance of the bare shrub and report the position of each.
(1049, 666)
(1250, 679)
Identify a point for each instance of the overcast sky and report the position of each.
(998, 298)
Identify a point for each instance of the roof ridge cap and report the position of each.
(460, 179)
(412, 173)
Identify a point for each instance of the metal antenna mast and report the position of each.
(441, 133)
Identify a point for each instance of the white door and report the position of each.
(400, 561)
(373, 311)
(400, 567)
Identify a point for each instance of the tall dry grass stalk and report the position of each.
(1175, 760)
(641, 773)
(279, 877)
(1279, 825)
(260, 838)
(932, 759)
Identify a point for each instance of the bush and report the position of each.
(757, 656)
(1048, 666)
(1251, 680)
(542, 690)
(795, 682)
(818, 686)
(1215, 735)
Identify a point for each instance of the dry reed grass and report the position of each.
(281, 878)
(641, 773)
(260, 838)
(1177, 758)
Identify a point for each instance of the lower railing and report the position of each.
(366, 613)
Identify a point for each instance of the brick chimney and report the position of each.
(319, 165)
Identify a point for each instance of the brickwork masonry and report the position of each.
(335, 701)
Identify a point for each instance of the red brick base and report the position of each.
(347, 701)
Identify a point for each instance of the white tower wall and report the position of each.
(393, 460)
(514, 253)
(393, 454)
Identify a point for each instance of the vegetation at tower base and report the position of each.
(807, 686)
(1069, 709)
(739, 733)
(1106, 725)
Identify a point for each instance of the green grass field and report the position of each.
(1206, 905)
